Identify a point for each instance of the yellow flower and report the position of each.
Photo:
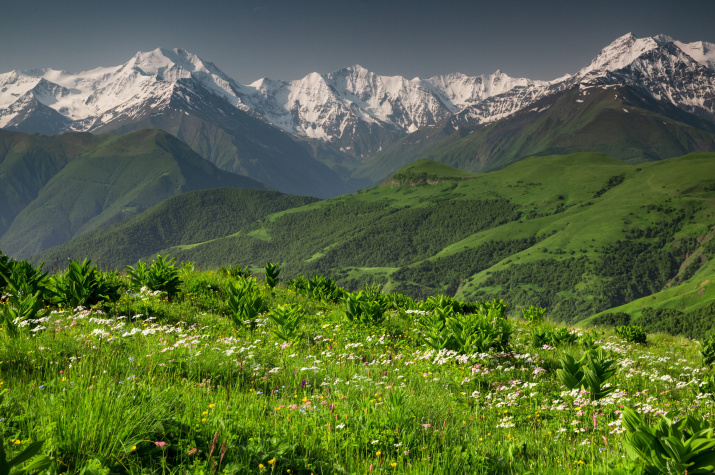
(204, 413)
(260, 465)
(270, 462)
(211, 406)
(134, 447)
(17, 442)
(394, 464)
(203, 420)
(378, 453)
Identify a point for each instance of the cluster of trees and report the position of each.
(545, 283)
(445, 274)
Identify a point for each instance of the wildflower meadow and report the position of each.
(168, 369)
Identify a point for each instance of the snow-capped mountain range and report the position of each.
(353, 109)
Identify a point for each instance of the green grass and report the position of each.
(150, 386)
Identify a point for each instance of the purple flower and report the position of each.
(303, 383)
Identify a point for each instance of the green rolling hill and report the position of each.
(579, 233)
(54, 188)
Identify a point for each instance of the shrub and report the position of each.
(473, 333)
(361, 309)
(22, 279)
(592, 372)
(632, 333)
(555, 338)
(272, 271)
(616, 319)
(244, 302)
(707, 350)
(286, 319)
(534, 315)
(84, 285)
(235, 271)
(162, 275)
(318, 288)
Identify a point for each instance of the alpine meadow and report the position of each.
(354, 273)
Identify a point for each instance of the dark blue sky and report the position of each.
(286, 39)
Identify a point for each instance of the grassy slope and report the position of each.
(543, 231)
(77, 183)
(172, 387)
(617, 121)
(694, 293)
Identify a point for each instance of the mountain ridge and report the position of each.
(312, 135)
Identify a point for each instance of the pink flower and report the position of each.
(426, 426)
(160, 444)
(193, 451)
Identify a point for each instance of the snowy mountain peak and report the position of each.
(356, 68)
(353, 108)
(171, 64)
(620, 53)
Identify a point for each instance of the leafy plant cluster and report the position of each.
(487, 329)
(684, 445)
(592, 372)
(318, 287)
(632, 333)
(534, 315)
(160, 276)
(554, 337)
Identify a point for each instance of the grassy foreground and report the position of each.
(152, 385)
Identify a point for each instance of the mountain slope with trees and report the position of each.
(577, 233)
(53, 188)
